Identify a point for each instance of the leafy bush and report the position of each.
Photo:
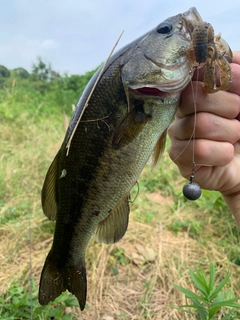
(4, 72)
(21, 73)
(39, 94)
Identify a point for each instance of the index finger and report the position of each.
(236, 57)
(235, 86)
(221, 103)
(199, 73)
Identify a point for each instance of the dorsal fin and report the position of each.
(49, 203)
(113, 228)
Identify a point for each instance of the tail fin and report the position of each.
(55, 280)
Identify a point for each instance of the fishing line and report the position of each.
(193, 132)
(192, 190)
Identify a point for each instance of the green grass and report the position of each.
(123, 282)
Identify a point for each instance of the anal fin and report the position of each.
(113, 228)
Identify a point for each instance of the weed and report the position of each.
(16, 304)
(192, 227)
(119, 255)
(211, 301)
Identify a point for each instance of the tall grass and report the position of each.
(132, 279)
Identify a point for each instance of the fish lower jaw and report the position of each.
(148, 91)
(164, 89)
(155, 94)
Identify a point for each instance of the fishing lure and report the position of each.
(210, 51)
(202, 36)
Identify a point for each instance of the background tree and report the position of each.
(21, 73)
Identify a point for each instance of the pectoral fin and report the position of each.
(49, 203)
(113, 228)
(131, 125)
(158, 150)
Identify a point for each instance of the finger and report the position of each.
(236, 57)
(199, 72)
(235, 86)
(206, 152)
(221, 103)
(207, 126)
(235, 66)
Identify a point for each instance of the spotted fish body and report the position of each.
(87, 186)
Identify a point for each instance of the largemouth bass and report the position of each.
(87, 186)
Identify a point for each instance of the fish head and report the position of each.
(158, 62)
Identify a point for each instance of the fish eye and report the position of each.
(164, 27)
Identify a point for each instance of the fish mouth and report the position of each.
(153, 92)
(172, 79)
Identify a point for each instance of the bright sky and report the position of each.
(75, 36)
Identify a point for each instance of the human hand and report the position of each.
(217, 138)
